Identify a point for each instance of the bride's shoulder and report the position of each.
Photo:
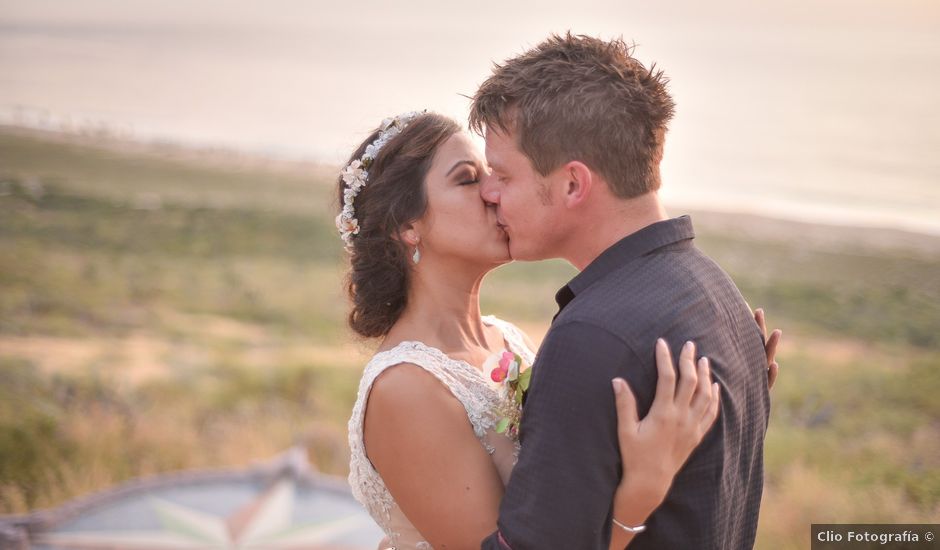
(406, 368)
(407, 393)
(403, 381)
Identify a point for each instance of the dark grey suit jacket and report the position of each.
(653, 283)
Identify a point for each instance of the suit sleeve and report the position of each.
(561, 489)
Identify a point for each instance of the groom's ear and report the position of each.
(579, 182)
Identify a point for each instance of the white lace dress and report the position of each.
(468, 385)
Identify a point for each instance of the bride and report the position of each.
(430, 452)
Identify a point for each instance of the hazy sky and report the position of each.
(826, 110)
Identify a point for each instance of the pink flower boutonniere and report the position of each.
(511, 378)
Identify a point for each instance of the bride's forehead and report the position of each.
(456, 147)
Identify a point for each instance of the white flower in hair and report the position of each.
(351, 226)
(355, 174)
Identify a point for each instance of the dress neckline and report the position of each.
(488, 320)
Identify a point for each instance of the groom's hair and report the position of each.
(581, 98)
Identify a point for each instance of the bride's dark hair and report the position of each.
(394, 194)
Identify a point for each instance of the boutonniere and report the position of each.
(511, 377)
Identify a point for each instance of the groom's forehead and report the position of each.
(498, 146)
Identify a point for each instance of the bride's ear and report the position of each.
(408, 234)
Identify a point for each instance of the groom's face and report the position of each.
(522, 198)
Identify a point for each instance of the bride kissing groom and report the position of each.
(462, 436)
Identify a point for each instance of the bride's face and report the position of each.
(458, 225)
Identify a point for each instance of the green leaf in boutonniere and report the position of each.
(524, 379)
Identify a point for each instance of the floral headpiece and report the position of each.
(355, 174)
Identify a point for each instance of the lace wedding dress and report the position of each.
(468, 385)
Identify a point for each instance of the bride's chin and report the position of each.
(505, 257)
(500, 259)
(494, 255)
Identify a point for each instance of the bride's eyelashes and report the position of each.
(468, 178)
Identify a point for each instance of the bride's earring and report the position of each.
(416, 257)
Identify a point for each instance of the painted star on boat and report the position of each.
(266, 522)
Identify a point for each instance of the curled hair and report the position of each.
(581, 98)
(380, 263)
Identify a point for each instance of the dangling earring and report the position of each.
(416, 257)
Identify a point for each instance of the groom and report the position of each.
(574, 136)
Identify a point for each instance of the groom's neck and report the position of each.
(608, 221)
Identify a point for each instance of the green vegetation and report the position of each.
(158, 314)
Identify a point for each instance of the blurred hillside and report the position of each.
(161, 309)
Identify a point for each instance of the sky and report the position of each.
(800, 109)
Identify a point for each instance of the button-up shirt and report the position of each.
(653, 283)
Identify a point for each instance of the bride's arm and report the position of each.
(770, 346)
(418, 438)
(653, 450)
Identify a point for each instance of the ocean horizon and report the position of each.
(814, 113)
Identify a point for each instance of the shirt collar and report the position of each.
(640, 243)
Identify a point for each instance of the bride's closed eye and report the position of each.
(469, 177)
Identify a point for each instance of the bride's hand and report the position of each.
(770, 346)
(653, 450)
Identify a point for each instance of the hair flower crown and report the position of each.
(355, 174)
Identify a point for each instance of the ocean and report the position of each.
(824, 112)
